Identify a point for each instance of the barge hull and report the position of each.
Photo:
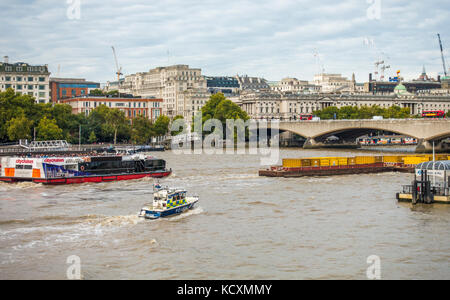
(85, 179)
(327, 171)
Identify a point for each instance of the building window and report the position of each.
(19, 87)
(41, 79)
(42, 87)
(30, 79)
(7, 78)
(19, 78)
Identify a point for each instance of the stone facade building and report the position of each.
(183, 89)
(26, 79)
(287, 105)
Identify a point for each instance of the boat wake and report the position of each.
(191, 212)
(118, 221)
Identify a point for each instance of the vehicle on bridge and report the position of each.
(433, 114)
(305, 117)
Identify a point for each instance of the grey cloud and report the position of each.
(273, 39)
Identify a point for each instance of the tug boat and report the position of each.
(167, 202)
(68, 170)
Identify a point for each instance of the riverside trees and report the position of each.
(22, 118)
(363, 112)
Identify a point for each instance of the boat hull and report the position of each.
(91, 178)
(156, 214)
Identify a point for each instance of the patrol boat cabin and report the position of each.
(167, 202)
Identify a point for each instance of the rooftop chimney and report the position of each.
(5, 59)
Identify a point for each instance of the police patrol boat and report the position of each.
(167, 202)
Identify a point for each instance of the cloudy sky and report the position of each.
(272, 39)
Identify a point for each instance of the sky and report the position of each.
(271, 39)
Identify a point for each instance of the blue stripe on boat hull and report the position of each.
(151, 214)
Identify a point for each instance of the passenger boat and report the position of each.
(168, 202)
(67, 170)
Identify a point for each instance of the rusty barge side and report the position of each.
(333, 170)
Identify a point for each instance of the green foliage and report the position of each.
(176, 132)
(220, 108)
(19, 128)
(92, 137)
(363, 112)
(161, 126)
(48, 130)
(96, 92)
(142, 130)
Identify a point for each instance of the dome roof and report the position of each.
(400, 87)
(438, 165)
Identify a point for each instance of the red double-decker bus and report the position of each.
(433, 114)
(305, 117)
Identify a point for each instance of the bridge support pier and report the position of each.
(311, 143)
(425, 146)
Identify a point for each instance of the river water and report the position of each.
(245, 226)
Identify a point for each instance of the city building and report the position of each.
(332, 83)
(61, 88)
(296, 86)
(183, 90)
(32, 80)
(150, 108)
(252, 83)
(228, 86)
(287, 105)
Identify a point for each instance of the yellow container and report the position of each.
(441, 157)
(414, 160)
(343, 161)
(334, 161)
(306, 163)
(392, 159)
(378, 159)
(365, 160)
(324, 162)
(351, 161)
(292, 163)
(315, 162)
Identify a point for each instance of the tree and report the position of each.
(220, 108)
(142, 130)
(177, 117)
(14, 105)
(116, 119)
(96, 92)
(48, 130)
(92, 137)
(19, 128)
(161, 125)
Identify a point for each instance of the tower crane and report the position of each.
(442, 54)
(383, 68)
(119, 69)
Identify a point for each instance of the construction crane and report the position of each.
(383, 68)
(119, 69)
(442, 54)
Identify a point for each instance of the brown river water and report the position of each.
(245, 226)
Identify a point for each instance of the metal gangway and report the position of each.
(56, 145)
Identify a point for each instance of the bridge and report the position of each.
(425, 131)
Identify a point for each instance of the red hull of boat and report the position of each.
(99, 178)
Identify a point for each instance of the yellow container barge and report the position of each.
(329, 166)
